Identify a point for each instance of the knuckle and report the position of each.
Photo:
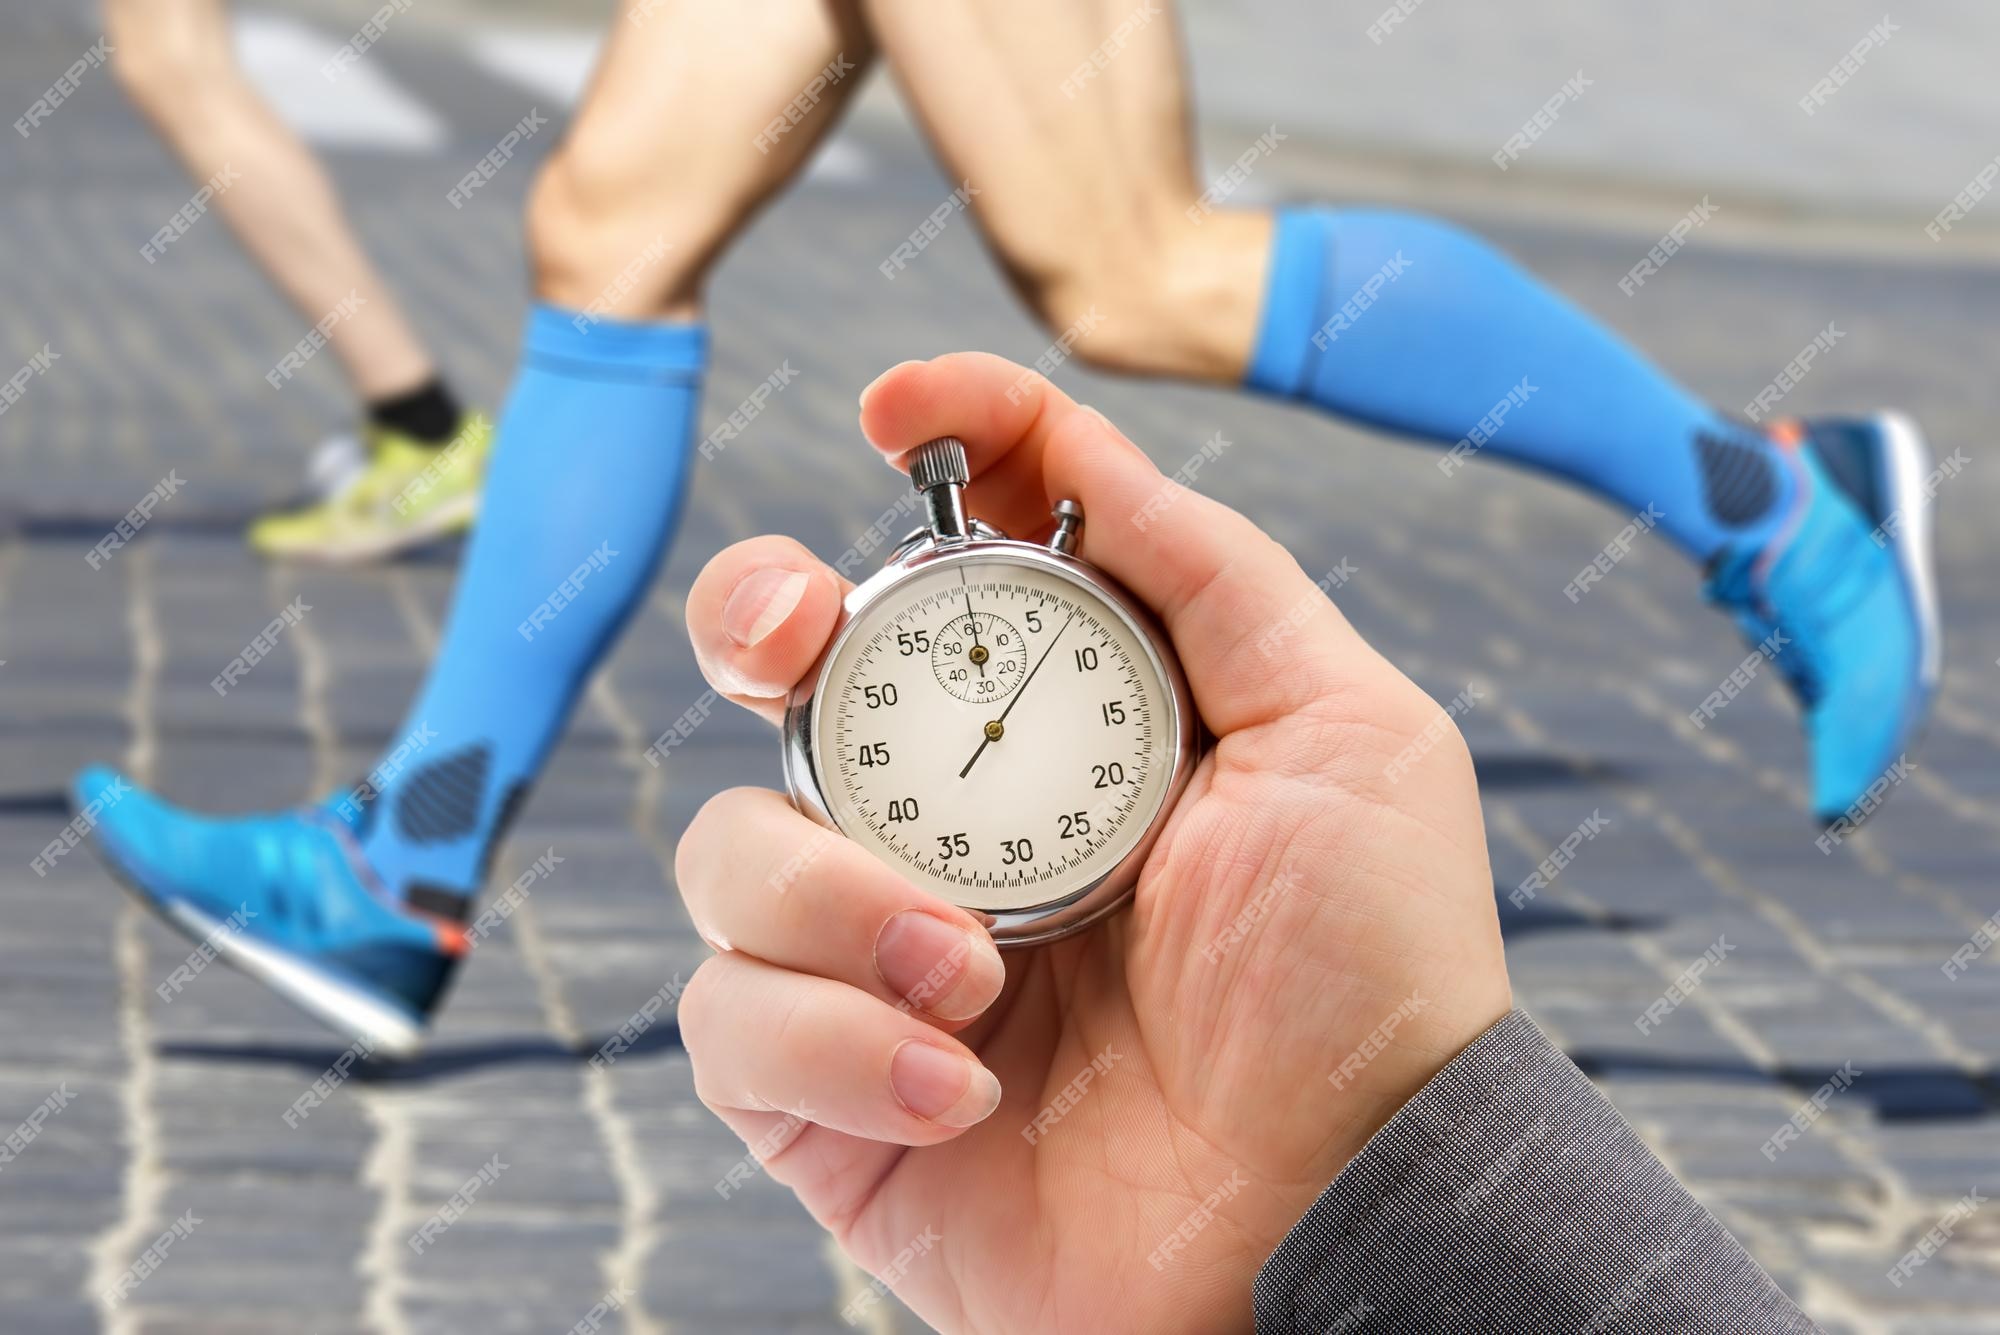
(714, 825)
(699, 1007)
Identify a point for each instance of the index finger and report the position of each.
(1005, 414)
(1258, 637)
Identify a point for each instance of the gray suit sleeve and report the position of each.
(1507, 1196)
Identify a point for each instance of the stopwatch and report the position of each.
(995, 719)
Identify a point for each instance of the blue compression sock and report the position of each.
(1416, 326)
(581, 498)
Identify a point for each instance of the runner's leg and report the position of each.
(176, 61)
(672, 149)
(352, 908)
(1071, 119)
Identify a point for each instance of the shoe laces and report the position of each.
(305, 877)
(1801, 600)
(1798, 658)
(1779, 633)
(288, 864)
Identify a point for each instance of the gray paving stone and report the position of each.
(50, 1316)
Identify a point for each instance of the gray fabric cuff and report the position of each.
(1508, 1195)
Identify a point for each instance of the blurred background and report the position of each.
(618, 1181)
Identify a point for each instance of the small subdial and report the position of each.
(978, 657)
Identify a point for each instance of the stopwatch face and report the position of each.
(995, 730)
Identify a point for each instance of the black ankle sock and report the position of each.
(428, 414)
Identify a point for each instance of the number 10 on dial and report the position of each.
(995, 719)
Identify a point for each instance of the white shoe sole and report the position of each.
(361, 1017)
(1904, 471)
(442, 522)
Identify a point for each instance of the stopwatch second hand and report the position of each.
(978, 659)
(1019, 691)
(971, 621)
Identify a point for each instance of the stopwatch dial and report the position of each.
(977, 656)
(1000, 797)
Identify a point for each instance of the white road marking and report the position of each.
(840, 161)
(361, 107)
(553, 63)
(556, 64)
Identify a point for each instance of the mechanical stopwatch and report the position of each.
(997, 720)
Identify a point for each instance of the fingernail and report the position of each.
(870, 388)
(1111, 430)
(1110, 427)
(941, 1086)
(760, 602)
(936, 967)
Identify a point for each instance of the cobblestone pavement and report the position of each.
(171, 1112)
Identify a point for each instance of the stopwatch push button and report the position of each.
(1069, 527)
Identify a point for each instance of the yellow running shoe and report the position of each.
(408, 495)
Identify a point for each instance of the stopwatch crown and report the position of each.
(939, 473)
(938, 462)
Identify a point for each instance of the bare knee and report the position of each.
(166, 60)
(604, 235)
(1090, 297)
(1074, 311)
(1159, 297)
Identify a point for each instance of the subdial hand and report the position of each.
(978, 654)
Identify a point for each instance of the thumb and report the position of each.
(1258, 637)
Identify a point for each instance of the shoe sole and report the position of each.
(358, 1016)
(1902, 473)
(451, 518)
(1897, 474)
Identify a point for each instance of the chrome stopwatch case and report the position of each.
(997, 720)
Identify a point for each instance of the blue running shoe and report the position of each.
(288, 900)
(1843, 600)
